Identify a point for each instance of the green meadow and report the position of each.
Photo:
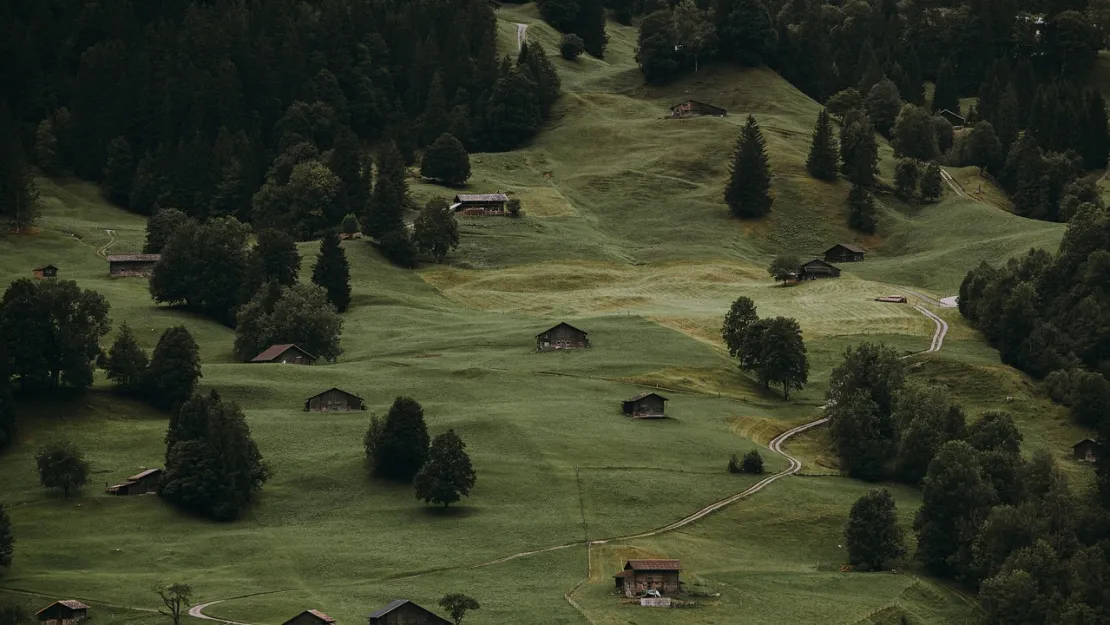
(626, 235)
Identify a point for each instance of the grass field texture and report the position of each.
(625, 235)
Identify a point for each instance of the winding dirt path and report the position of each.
(112, 238)
(938, 334)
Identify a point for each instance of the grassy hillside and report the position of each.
(626, 235)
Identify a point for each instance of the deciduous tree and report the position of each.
(883, 104)
(276, 258)
(435, 230)
(906, 174)
(784, 267)
(859, 152)
(782, 358)
(571, 47)
(457, 605)
(955, 496)
(931, 182)
(446, 161)
(160, 227)
(176, 597)
(740, 316)
(203, 267)
(843, 102)
(914, 135)
(174, 368)
(447, 475)
(872, 535)
(748, 193)
(62, 465)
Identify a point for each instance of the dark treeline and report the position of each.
(195, 104)
(1035, 128)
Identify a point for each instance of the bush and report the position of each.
(571, 47)
(1058, 386)
(399, 249)
(734, 464)
(514, 208)
(753, 462)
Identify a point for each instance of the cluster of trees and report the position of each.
(257, 113)
(18, 195)
(213, 466)
(751, 463)
(583, 18)
(1046, 313)
(167, 378)
(773, 349)
(398, 448)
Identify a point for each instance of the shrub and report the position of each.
(753, 462)
(571, 47)
(514, 208)
(1058, 386)
(734, 464)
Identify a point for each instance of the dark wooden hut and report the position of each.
(562, 336)
(641, 575)
(693, 108)
(844, 253)
(817, 269)
(1085, 450)
(958, 121)
(481, 204)
(46, 271)
(310, 617)
(138, 484)
(64, 612)
(334, 400)
(286, 354)
(132, 265)
(405, 612)
(645, 406)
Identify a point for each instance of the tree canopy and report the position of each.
(447, 475)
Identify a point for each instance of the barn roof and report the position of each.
(640, 396)
(561, 324)
(848, 246)
(653, 565)
(320, 615)
(334, 388)
(44, 267)
(72, 604)
(276, 350)
(692, 101)
(139, 476)
(135, 258)
(1085, 441)
(817, 261)
(396, 603)
(952, 113)
(481, 197)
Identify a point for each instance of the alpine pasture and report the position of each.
(625, 234)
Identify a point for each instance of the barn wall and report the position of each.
(409, 614)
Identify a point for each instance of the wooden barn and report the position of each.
(844, 253)
(334, 400)
(958, 121)
(405, 612)
(132, 265)
(481, 204)
(138, 484)
(1085, 450)
(645, 406)
(817, 269)
(65, 612)
(285, 354)
(693, 108)
(641, 575)
(46, 271)
(310, 617)
(562, 336)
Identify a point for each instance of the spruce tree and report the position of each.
(390, 196)
(861, 210)
(277, 257)
(7, 542)
(433, 122)
(127, 362)
(533, 56)
(174, 368)
(1006, 120)
(1095, 143)
(332, 272)
(872, 535)
(946, 91)
(513, 113)
(859, 151)
(748, 193)
(403, 447)
(446, 161)
(447, 475)
(347, 163)
(46, 148)
(752, 462)
(590, 26)
(871, 71)
(823, 154)
(906, 174)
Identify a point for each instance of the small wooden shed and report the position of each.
(138, 484)
(288, 354)
(310, 617)
(693, 108)
(46, 271)
(481, 204)
(561, 336)
(334, 400)
(1085, 450)
(405, 612)
(817, 269)
(844, 253)
(641, 575)
(645, 406)
(64, 612)
(132, 265)
(958, 121)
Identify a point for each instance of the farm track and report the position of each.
(938, 334)
(112, 238)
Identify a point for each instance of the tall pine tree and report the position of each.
(390, 196)
(861, 210)
(859, 151)
(946, 90)
(333, 273)
(823, 156)
(748, 193)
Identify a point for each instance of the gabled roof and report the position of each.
(640, 396)
(115, 488)
(817, 261)
(44, 267)
(135, 258)
(274, 351)
(653, 565)
(396, 603)
(320, 615)
(559, 325)
(72, 604)
(481, 197)
(848, 246)
(954, 114)
(1085, 441)
(139, 476)
(692, 101)
(334, 388)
